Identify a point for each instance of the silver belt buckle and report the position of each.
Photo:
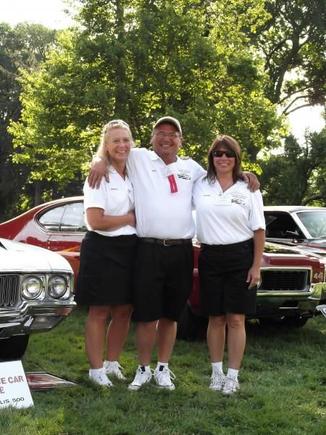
(165, 243)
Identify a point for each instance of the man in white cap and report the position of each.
(163, 184)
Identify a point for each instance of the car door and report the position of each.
(280, 226)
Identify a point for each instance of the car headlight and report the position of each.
(57, 286)
(32, 287)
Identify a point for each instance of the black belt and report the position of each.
(248, 242)
(165, 242)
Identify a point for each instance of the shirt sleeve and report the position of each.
(95, 197)
(198, 171)
(256, 217)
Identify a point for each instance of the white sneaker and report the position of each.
(162, 376)
(98, 376)
(217, 381)
(143, 376)
(113, 368)
(230, 386)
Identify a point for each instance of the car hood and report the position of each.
(315, 247)
(20, 257)
(280, 248)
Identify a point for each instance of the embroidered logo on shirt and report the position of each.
(238, 199)
(185, 175)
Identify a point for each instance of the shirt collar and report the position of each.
(155, 156)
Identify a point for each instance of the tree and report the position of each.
(293, 42)
(23, 46)
(298, 175)
(138, 60)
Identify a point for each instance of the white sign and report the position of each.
(14, 389)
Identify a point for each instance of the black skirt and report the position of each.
(106, 269)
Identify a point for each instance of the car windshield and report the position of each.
(315, 222)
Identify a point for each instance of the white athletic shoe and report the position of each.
(99, 377)
(143, 376)
(113, 368)
(162, 376)
(230, 386)
(217, 381)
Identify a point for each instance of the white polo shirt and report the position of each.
(227, 217)
(163, 194)
(115, 197)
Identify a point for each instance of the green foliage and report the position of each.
(293, 41)
(140, 60)
(297, 176)
(23, 46)
(222, 66)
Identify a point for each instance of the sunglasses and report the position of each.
(220, 153)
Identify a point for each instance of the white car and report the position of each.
(36, 293)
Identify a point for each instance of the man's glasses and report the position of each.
(171, 135)
(220, 153)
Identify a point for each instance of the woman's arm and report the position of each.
(97, 220)
(253, 277)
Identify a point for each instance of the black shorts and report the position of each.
(106, 268)
(163, 280)
(223, 272)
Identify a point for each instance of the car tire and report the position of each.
(288, 322)
(13, 348)
(191, 327)
(294, 322)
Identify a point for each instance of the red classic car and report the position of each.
(293, 283)
(56, 225)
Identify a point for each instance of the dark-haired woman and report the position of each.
(231, 229)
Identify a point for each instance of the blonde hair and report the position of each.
(115, 123)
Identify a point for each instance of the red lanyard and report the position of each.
(173, 183)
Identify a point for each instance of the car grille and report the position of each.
(9, 290)
(286, 280)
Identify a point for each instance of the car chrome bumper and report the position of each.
(270, 303)
(34, 318)
(321, 309)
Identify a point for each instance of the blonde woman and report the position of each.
(106, 258)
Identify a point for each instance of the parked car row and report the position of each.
(293, 265)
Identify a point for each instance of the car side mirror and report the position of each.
(293, 234)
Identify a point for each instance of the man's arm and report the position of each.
(99, 166)
(251, 180)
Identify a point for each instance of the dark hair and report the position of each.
(226, 142)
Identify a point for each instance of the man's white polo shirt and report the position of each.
(115, 197)
(162, 212)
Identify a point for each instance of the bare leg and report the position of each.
(94, 335)
(216, 337)
(145, 340)
(117, 330)
(166, 334)
(236, 339)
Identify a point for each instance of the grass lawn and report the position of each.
(283, 389)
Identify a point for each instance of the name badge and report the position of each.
(223, 200)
